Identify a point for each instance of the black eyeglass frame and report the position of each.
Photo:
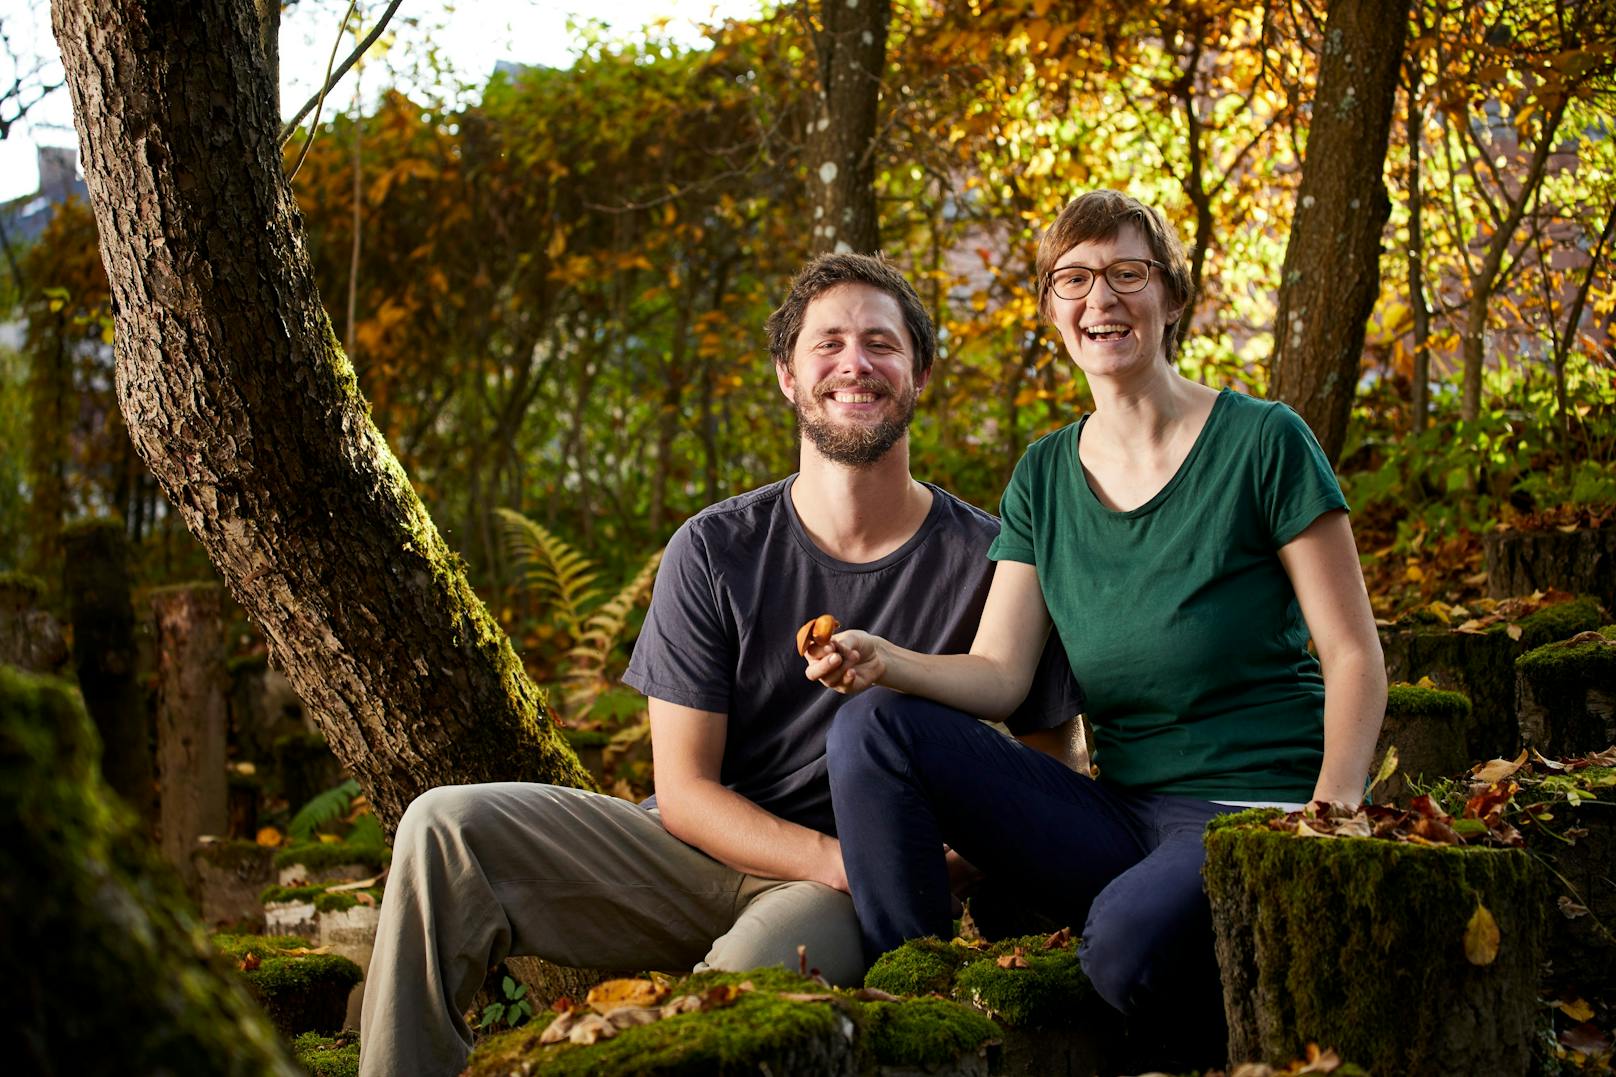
(1105, 271)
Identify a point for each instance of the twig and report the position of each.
(334, 77)
(314, 128)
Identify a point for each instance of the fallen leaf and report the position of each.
(591, 1028)
(1016, 960)
(1481, 937)
(873, 994)
(268, 836)
(249, 961)
(1585, 1039)
(1496, 770)
(682, 1004)
(1388, 767)
(614, 993)
(1059, 940)
(1253, 1069)
(1570, 909)
(807, 996)
(716, 998)
(368, 900)
(629, 1016)
(1577, 1009)
(1325, 1061)
(1513, 631)
(362, 884)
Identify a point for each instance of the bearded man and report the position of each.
(734, 864)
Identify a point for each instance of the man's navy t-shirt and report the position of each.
(738, 580)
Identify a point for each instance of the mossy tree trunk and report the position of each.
(1331, 276)
(243, 406)
(106, 971)
(95, 577)
(191, 719)
(1359, 945)
(30, 638)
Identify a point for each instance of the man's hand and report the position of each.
(849, 663)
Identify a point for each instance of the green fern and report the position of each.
(561, 575)
(585, 677)
(321, 809)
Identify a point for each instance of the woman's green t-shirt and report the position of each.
(1178, 618)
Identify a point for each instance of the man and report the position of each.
(736, 865)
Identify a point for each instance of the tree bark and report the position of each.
(30, 638)
(192, 716)
(1331, 275)
(95, 578)
(850, 45)
(244, 407)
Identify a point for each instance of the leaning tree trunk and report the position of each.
(240, 401)
(1331, 276)
(850, 45)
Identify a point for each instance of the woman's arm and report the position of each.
(989, 682)
(1322, 563)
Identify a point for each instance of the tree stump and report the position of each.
(1581, 561)
(1566, 694)
(191, 719)
(1427, 726)
(230, 876)
(95, 576)
(1481, 665)
(30, 638)
(301, 992)
(1358, 944)
(85, 901)
(1582, 940)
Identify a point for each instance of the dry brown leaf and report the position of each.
(1253, 1069)
(807, 996)
(607, 996)
(249, 961)
(1513, 631)
(1325, 1061)
(682, 1004)
(1481, 937)
(1496, 770)
(1570, 909)
(557, 1030)
(1015, 960)
(591, 1028)
(1059, 940)
(715, 998)
(368, 900)
(362, 884)
(1585, 1039)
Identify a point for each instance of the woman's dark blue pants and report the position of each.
(908, 775)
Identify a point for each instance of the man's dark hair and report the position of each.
(827, 271)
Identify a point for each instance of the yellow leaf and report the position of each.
(269, 836)
(1481, 937)
(330, 839)
(1388, 767)
(1513, 631)
(1577, 1009)
(614, 993)
(1414, 574)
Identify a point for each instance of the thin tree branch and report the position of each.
(290, 127)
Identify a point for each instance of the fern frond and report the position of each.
(321, 809)
(563, 578)
(584, 679)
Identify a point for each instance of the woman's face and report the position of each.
(1108, 333)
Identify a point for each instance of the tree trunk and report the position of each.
(1420, 403)
(30, 638)
(192, 716)
(850, 46)
(1331, 276)
(247, 412)
(96, 580)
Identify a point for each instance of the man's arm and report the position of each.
(687, 747)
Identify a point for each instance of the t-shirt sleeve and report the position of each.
(685, 653)
(1014, 542)
(1296, 483)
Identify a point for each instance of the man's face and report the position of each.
(851, 380)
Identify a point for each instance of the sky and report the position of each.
(470, 35)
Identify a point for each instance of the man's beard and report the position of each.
(852, 446)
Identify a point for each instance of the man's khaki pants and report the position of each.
(485, 872)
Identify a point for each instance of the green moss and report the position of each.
(918, 967)
(327, 1056)
(1609, 631)
(24, 585)
(343, 900)
(1411, 699)
(236, 946)
(231, 855)
(1241, 820)
(290, 893)
(300, 992)
(921, 1033)
(86, 901)
(1562, 621)
(1582, 663)
(319, 855)
(1050, 992)
(1328, 939)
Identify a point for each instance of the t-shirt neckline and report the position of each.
(1167, 489)
(811, 548)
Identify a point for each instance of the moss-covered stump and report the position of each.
(328, 1056)
(87, 906)
(1360, 944)
(1581, 561)
(1566, 694)
(1427, 726)
(1053, 1022)
(301, 991)
(1481, 665)
(1578, 842)
(782, 1024)
(231, 875)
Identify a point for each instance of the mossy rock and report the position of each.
(1566, 695)
(327, 1056)
(87, 905)
(918, 967)
(300, 992)
(762, 1032)
(1359, 944)
(1428, 728)
(318, 856)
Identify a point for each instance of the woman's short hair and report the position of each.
(1101, 215)
(827, 271)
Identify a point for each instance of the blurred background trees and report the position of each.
(560, 283)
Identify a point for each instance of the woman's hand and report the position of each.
(849, 663)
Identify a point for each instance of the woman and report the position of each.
(1185, 544)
